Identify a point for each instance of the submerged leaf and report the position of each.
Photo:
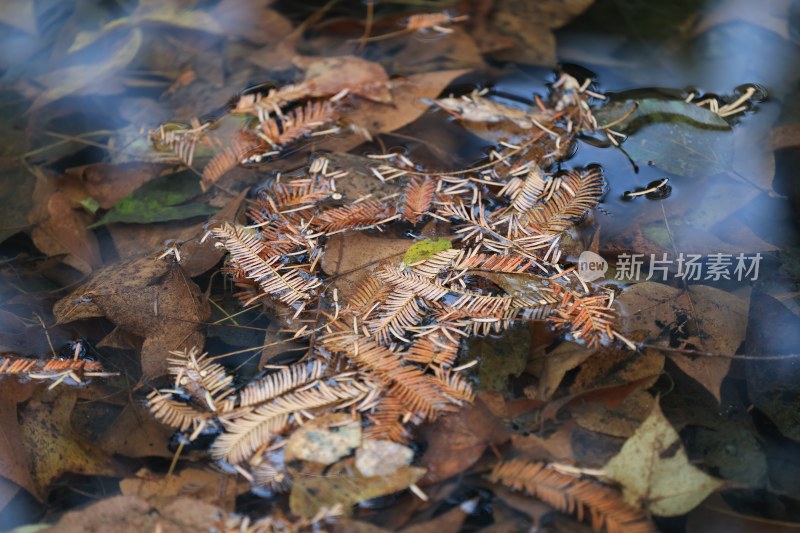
(311, 494)
(656, 110)
(53, 447)
(382, 457)
(159, 200)
(655, 472)
(678, 137)
(701, 318)
(325, 439)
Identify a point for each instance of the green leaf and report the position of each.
(656, 111)
(681, 149)
(90, 204)
(425, 248)
(159, 200)
(678, 137)
(501, 357)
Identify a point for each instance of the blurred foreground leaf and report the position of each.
(88, 78)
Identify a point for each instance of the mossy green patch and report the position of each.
(425, 248)
(657, 234)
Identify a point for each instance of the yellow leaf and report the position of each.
(654, 471)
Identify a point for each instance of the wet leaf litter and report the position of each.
(329, 277)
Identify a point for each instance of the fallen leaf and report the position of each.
(409, 101)
(456, 441)
(657, 110)
(122, 514)
(501, 357)
(621, 421)
(60, 226)
(210, 487)
(733, 449)
(135, 433)
(530, 25)
(553, 366)
(610, 395)
(774, 385)
(556, 447)
(53, 448)
(253, 21)
(456, 50)
(614, 365)
(149, 297)
(14, 462)
(655, 472)
(88, 78)
(448, 522)
(351, 257)
(159, 200)
(108, 183)
(701, 318)
(382, 457)
(325, 439)
(196, 255)
(310, 494)
(330, 75)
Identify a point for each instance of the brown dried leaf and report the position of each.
(149, 297)
(621, 421)
(553, 448)
(530, 25)
(553, 366)
(329, 75)
(14, 462)
(253, 21)
(60, 228)
(210, 487)
(408, 103)
(457, 440)
(122, 514)
(610, 395)
(350, 258)
(108, 183)
(702, 318)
